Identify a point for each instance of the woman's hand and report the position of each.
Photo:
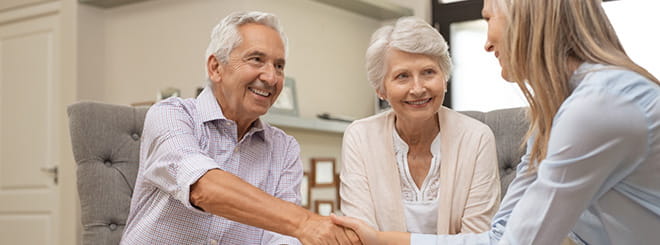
(367, 235)
(370, 236)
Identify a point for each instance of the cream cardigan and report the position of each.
(469, 181)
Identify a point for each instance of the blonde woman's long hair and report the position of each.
(542, 36)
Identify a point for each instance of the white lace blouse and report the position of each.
(420, 205)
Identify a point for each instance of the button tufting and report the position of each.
(135, 136)
(113, 227)
(107, 163)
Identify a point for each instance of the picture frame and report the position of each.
(324, 207)
(287, 102)
(167, 92)
(323, 172)
(305, 191)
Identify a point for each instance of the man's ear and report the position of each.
(213, 69)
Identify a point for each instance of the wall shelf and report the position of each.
(377, 9)
(108, 3)
(313, 124)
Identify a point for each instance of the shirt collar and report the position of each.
(210, 110)
(208, 106)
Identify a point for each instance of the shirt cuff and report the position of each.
(423, 239)
(191, 169)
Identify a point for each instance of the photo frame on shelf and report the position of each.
(287, 102)
(323, 172)
(323, 207)
(305, 191)
(167, 92)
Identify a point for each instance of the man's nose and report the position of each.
(268, 74)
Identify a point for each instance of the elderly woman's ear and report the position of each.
(381, 94)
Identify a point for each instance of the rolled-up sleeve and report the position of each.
(173, 158)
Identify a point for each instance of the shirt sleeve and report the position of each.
(288, 188)
(594, 135)
(484, 194)
(355, 195)
(173, 159)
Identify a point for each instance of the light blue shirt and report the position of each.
(600, 181)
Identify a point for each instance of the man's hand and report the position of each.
(320, 230)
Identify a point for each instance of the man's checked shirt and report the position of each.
(182, 140)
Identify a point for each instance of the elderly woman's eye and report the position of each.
(428, 72)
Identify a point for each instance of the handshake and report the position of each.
(344, 230)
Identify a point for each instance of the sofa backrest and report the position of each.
(509, 127)
(106, 143)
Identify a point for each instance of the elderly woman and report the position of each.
(419, 167)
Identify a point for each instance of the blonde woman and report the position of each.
(419, 167)
(592, 168)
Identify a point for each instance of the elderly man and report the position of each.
(211, 171)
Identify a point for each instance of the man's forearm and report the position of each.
(224, 194)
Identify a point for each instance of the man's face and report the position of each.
(252, 79)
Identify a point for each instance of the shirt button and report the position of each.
(214, 242)
(236, 149)
(227, 123)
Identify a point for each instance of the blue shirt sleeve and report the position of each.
(595, 135)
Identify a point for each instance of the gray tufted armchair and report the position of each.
(106, 141)
(106, 145)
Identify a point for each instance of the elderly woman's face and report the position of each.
(413, 84)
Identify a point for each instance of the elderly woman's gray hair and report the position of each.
(408, 34)
(225, 36)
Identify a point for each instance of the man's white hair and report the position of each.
(225, 36)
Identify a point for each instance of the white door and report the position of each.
(29, 121)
